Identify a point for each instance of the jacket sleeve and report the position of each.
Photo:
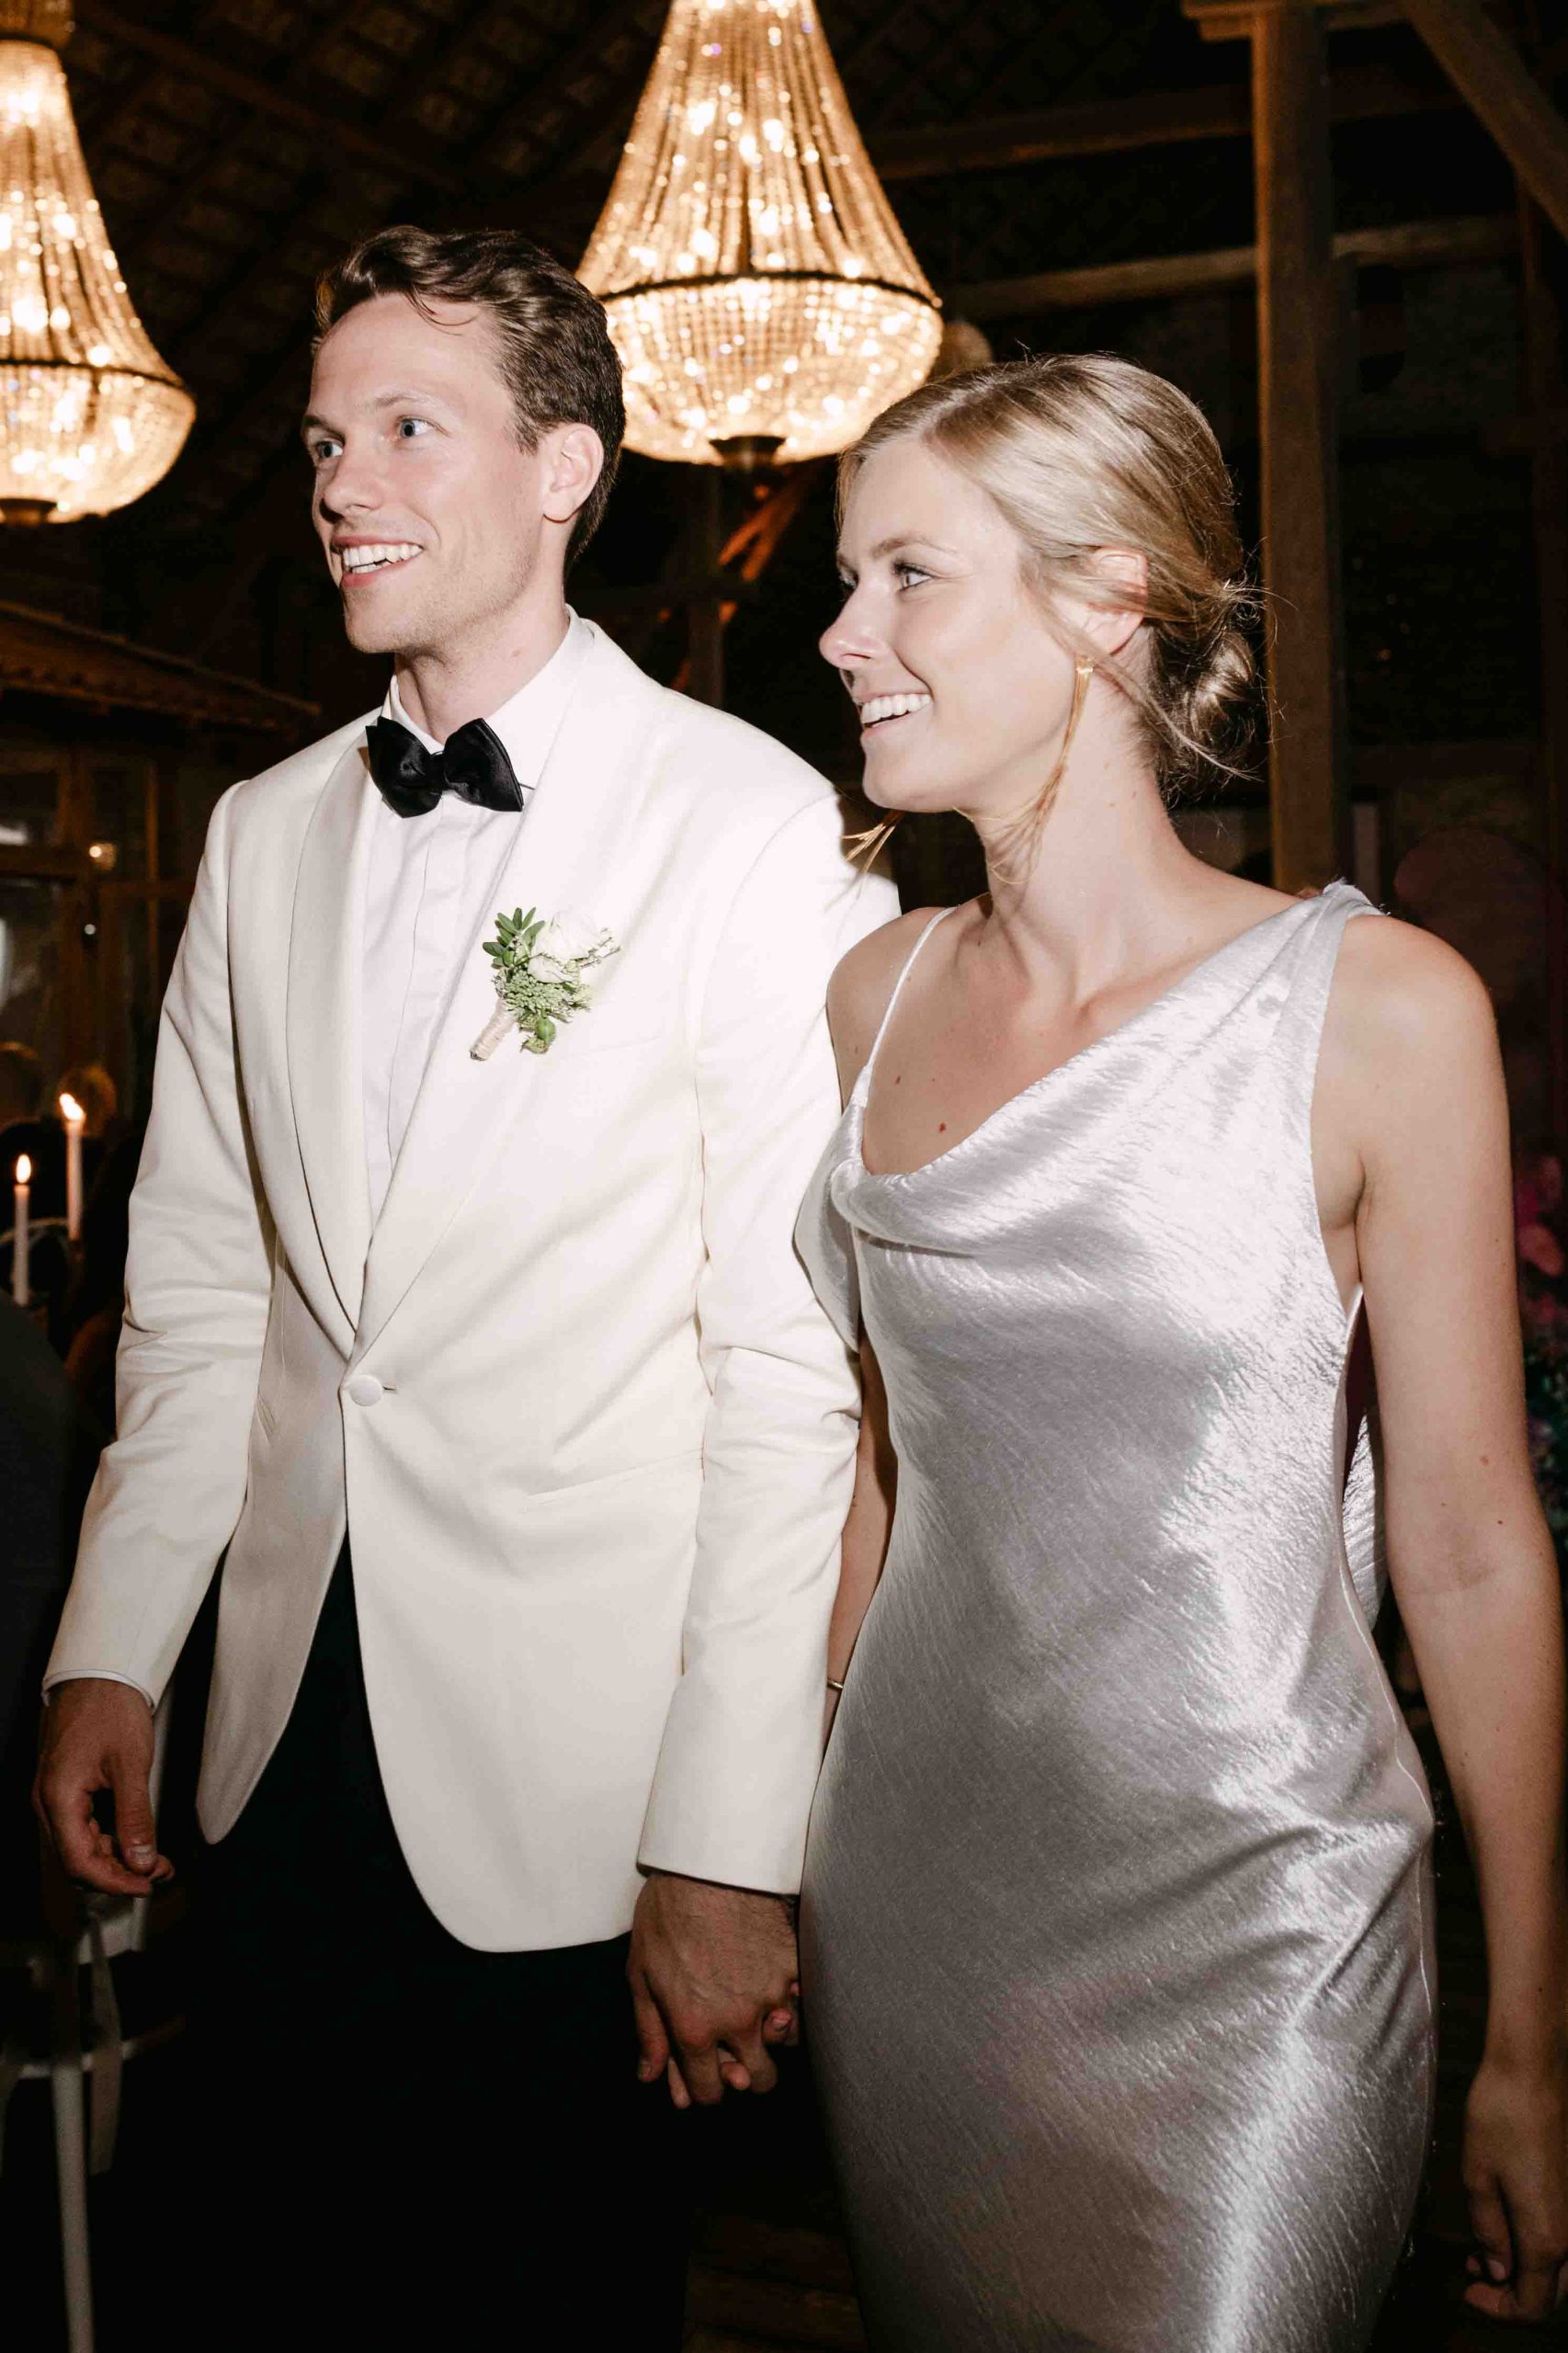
(743, 1740)
(170, 1488)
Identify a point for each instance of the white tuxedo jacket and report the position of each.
(572, 1397)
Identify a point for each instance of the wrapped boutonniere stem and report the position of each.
(541, 969)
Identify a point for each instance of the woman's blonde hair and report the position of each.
(1083, 452)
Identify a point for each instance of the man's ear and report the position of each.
(574, 459)
(1113, 625)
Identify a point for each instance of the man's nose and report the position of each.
(351, 487)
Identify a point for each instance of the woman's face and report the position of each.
(962, 691)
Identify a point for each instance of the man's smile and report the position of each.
(361, 559)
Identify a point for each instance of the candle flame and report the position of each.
(24, 1170)
(71, 1110)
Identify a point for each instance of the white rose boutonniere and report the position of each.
(539, 978)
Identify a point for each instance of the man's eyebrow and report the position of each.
(382, 401)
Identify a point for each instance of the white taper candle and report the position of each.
(21, 1243)
(75, 1120)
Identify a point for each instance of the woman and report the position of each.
(1118, 1910)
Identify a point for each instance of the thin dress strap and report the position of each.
(864, 1081)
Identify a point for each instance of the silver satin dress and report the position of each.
(1117, 1954)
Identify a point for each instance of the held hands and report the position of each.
(1516, 2178)
(98, 1738)
(713, 1977)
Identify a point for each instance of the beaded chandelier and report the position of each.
(90, 416)
(760, 293)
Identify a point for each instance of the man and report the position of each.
(496, 1374)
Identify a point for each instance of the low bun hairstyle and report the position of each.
(1083, 452)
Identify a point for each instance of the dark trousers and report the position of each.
(406, 2142)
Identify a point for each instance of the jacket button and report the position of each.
(365, 1388)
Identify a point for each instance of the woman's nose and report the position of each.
(847, 641)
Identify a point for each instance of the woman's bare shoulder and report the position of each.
(862, 985)
(1404, 990)
(1410, 1033)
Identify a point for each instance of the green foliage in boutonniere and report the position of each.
(539, 978)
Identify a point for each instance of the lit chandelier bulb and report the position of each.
(759, 289)
(90, 416)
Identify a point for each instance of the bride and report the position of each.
(1118, 1910)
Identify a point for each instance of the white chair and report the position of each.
(102, 1929)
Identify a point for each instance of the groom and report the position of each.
(497, 1377)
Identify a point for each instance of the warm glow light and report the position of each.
(70, 1109)
(90, 416)
(759, 288)
(24, 1170)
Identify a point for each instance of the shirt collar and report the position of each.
(526, 722)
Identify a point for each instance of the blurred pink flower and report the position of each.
(1539, 1248)
(1538, 1188)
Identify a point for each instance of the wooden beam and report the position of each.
(1298, 374)
(1234, 19)
(1486, 68)
(268, 98)
(1147, 119)
(1413, 244)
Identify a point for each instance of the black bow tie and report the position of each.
(473, 763)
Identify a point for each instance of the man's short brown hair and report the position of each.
(556, 354)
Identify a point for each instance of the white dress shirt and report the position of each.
(427, 887)
(429, 884)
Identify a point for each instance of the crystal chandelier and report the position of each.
(760, 293)
(90, 416)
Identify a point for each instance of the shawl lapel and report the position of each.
(323, 1022)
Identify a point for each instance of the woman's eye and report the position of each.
(321, 452)
(411, 427)
(846, 585)
(908, 574)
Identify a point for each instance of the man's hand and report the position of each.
(713, 1974)
(98, 1736)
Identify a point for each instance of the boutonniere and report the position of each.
(539, 978)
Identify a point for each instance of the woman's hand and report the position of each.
(1516, 2178)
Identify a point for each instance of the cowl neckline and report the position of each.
(1180, 1005)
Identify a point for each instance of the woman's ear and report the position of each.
(1115, 616)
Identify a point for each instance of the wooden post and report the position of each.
(1298, 383)
(1545, 395)
(705, 621)
(1298, 399)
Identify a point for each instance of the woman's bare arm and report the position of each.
(869, 1523)
(1412, 1059)
(857, 1000)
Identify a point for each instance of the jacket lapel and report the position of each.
(323, 1022)
(577, 828)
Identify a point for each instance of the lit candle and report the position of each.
(20, 1245)
(75, 1119)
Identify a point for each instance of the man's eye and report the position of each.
(411, 427)
(322, 450)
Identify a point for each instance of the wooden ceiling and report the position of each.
(239, 146)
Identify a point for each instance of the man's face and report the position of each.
(430, 511)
